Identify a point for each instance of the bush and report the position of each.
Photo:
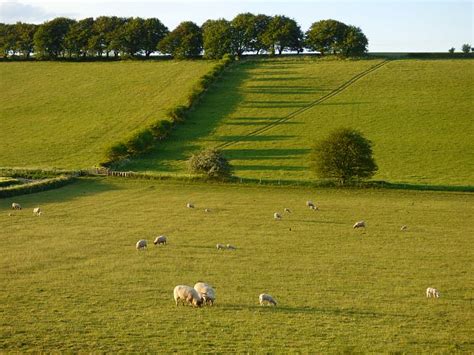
(161, 129)
(177, 113)
(140, 142)
(345, 155)
(117, 151)
(211, 163)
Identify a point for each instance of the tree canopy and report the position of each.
(185, 41)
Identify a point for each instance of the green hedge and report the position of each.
(36, 186)
(143, 140)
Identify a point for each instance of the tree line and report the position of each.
(118, 37)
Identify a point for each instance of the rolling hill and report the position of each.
(65, 115)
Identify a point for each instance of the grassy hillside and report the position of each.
(416, 112)
(66, 114)
(73, 281)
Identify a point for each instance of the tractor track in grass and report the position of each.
(309, 106)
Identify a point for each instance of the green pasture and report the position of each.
(73, 281)
(418, 113)
(64, 115)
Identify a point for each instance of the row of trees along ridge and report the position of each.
(106, 37)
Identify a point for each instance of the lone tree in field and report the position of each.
(345, 155)
(210, 162)
(466, 48)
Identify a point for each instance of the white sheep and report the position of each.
(310, 204)
(190, 205)
(160, 240)
(277, 216)
(403, 228)
(37, 211)
(207, 210)
(359, 224)
(432, 292)
(16, 206)
(207, 292)
(141, 244)
(266, 298)
(220, 246)
(187, 294)
(230, 247)
(287, 210)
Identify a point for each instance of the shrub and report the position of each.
(140, 142)
(177, 113)
(161, 129)
(117, 151)
(210, 162)
(345, 155)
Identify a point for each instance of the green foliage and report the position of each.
(154, 32)
(8, 181)
(177, 113)
(244, 33)
(50, 37)
(78, 36)
(210, 162)
(161, 129)
(282, 33)
(95, 293)
(326, 36)
(36, 186)
(185, 41)
(451, 50)
(345, 155)
(466, 48)
(117, 151)
(217, 38)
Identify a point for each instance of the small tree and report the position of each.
(451, 50)
(466, 48)
(210, 162)
(345, 155)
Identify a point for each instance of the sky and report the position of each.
(390, 25)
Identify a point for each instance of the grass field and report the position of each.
(65, 115)
(72, 279)
(418, 113)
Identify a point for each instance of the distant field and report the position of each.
(73, 281)
(64, 115)
(418, 113)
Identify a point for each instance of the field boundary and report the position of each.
(307, 107)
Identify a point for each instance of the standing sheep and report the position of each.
(37, 211)
(190, 205)
(16, 206)
(206, 292)
(310, 204)
(160, 240)
(141, 244)
(266, 298)
(359, 224)
(220, 246)
(277, 216)
(187, 294)
(432, 292)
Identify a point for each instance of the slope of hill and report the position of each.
(73, 281)
(55, 114)
(267, 114)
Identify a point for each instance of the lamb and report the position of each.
(141, 244)
(16, 206)
(190, 205)
(220, 246)
(287, 210)
(277, 216)
(432, 292)
(230, 247)
(187, 294)
(37, 211)
(206, 292)
(160, 240)
(266, 298)
(359, 224)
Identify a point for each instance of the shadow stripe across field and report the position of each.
(305, 108)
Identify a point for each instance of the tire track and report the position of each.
(309, 106)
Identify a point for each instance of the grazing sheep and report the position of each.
(287, 210)
(190, 205)
(310, 204)
(266, 298)
(316, 208)
(187, 294)
(230, 247)
(432, 292)
(141, 244)
(220, 246)
(403, 228)
(160, 240)
(37, 211)
(16, 206)
(207, 210)
(277, 216)
(359, 224)
(207, 293)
